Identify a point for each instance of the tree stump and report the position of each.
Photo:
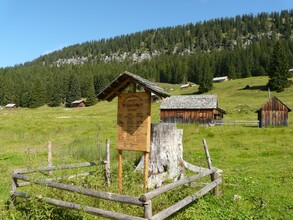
(166, 154)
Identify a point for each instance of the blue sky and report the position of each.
(31, 28)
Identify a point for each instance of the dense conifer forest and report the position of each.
(235, 47)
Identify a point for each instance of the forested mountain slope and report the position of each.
(237, 47)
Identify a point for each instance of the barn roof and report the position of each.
(123, 81)
(274, 106)
(77, 101)
(190, 102)
(10, 105)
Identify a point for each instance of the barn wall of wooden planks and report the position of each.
(273, 113)
(202, 116)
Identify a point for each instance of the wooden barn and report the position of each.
(78, 103)
(11, 106)
(190, 109)
(273, 113)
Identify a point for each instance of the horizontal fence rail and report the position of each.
(87, 209)
(81, 190)
(237, 122)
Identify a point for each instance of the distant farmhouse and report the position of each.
(273, 113)
(78, 104)
(190, 109)
(11, 106)
(220, 79)
(185, 86)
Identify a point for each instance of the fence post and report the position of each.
(107, 164)
(12, 191)
(148, 212)
(215, 175)
(50, 156)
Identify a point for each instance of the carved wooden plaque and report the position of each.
(134, 121)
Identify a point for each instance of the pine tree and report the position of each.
(278, 69)
(205, 77)
(73, 92)
(90, 96)
(37, 93)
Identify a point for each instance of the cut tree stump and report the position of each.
(166, 154)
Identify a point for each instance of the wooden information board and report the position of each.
(134, 121)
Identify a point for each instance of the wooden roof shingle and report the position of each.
(124, 80)
(190, 102)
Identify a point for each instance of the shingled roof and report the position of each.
(126, 79)
(190, 102)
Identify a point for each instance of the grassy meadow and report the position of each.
(257, 163)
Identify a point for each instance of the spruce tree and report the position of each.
(73, 92)
(205, 76)
(278, 69)
(90, 96)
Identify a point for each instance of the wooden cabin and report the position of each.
(220, 79)
(11, 106)
(190, 109)
(273, 113)
(78, 104)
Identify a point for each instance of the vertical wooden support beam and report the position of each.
(50, 156)
(120, 170)
(148, 211)
(214, 176)
(133, 87)
(107, 164)
(146, 170)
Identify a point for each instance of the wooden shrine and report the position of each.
(133, 117)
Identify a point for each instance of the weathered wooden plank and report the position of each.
(60, 167)
(214, 176)
(84, 174)
(75, 206)
(184, 202)
(107, 163)
(84, 191)
(50, 156)
(156, 192)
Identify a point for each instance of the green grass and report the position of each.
(257, 163)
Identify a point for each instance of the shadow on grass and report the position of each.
(261, 88)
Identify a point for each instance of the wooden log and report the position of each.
(83, 191)
(87, 209)
(14, 186)
(107, 164)
(60, 167)
(214, 176)
(156, 192)
(207, 153)
(120, 170)
(148, 211)
(21, 184)
(194, 168)
(184, 202)
(50, 156)
(146, 170)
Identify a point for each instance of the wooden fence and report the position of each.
(144, 200)
(237, 122)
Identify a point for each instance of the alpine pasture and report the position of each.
(257, 163)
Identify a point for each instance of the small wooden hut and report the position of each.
(190, 109)
(78, 104)
(273, 113)
(11, 106)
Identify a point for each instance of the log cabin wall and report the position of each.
(202, 116)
